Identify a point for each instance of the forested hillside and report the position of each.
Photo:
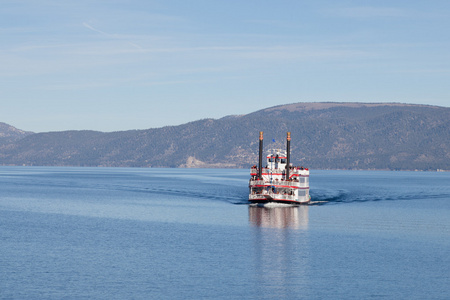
(324, 136)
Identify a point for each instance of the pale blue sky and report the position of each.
(137, 64)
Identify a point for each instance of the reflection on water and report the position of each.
(281, 251)
(279, 217)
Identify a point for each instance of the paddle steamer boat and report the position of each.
(278, 181)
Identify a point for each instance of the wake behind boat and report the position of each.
(278, 181)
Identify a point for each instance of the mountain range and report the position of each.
(325, 135)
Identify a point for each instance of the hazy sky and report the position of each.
(136, 64)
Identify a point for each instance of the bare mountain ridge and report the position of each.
(324, 136)
(326, 105)
(9, 134)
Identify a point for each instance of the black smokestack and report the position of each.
(288, 151)
(260, 153)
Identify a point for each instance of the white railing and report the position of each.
(272, 196)
(293, 171)
(294, 184)
(275, 182)
(266, 170)
(257, 182)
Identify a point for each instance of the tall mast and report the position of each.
(288, 151)
(260, 154)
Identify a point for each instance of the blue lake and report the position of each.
(119, 233)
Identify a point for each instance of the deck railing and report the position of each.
(294, 184)
(293, 171)
(273, 196)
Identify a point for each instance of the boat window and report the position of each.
(271, 159)
(283, 161)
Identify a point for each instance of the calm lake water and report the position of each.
(115, 233)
